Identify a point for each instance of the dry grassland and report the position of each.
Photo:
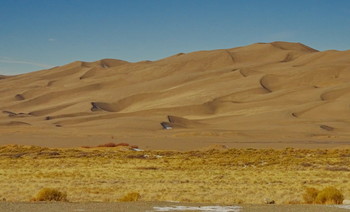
(226, 177)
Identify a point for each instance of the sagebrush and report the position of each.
(328, 195)
(130, 197)
(50, 194)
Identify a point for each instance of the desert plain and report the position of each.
(234, 176)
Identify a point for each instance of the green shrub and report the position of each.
(130, 197)
(329, 195)
(50, 194)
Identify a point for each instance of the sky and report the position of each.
(40, 34)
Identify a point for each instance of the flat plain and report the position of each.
(159, 207)
(226, 177)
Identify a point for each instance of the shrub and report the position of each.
(122, 144)
(134, 147)
(113, 145)
(130, 197)
(107, 145)
(50, 194)
(329, 195)
(310, 195)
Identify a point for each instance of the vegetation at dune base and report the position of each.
(229, 176)
(328, 195)
(310, 195)
(130, 197)
(50, 194)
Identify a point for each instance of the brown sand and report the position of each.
(263, 95)
(156, 206)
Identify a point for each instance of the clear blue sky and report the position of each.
(35, 34)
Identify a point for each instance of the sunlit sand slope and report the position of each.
(262, 95)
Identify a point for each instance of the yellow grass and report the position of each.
(130, 197)
(329, 195)
(50, 194)
(226, 177)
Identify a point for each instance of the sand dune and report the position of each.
(3, 77)
(262, 95)
(13, 123)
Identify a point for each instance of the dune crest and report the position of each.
(260, 95)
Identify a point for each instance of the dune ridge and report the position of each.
(258, 95)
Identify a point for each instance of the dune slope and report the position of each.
(263, 95)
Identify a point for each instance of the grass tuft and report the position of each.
(50, 194)
(130, 197)
(328, 195)
(310, 195)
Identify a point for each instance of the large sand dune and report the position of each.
(263, 95)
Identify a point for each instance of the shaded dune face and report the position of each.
(266, 91)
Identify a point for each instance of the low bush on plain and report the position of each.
(50, 194)
(107, 145)
(130, 197)
(328, 195)
(310, 195)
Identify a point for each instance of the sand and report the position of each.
(158, 206)
(263, 95)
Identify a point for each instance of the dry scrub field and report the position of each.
(226, 177)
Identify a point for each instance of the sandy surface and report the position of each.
(157, 206)
(263, 95)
